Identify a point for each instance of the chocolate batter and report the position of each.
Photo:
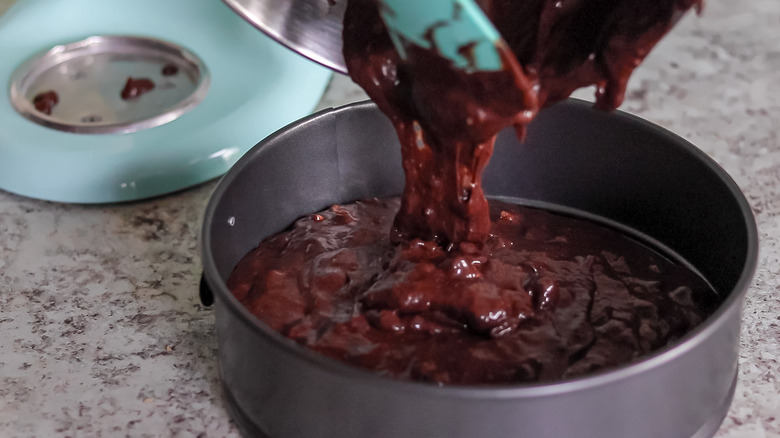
(441, 291)
(46, 101)
(170, 70)
(548, 297)
(135, 87)
(447, 119)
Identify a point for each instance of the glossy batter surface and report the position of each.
(547, 297)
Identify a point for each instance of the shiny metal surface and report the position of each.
(311, 28)
(89, 75)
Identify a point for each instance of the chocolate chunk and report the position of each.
(136, 87)
(44, 102)
(170, 69)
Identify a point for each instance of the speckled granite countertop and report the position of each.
(102, 333)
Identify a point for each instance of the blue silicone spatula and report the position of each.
(456, 29)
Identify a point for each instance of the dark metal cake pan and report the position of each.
(612, 166)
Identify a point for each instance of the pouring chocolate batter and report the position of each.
(431, 287)
(557, 46)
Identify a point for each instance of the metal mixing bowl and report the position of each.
(614, 166)
(309, 27)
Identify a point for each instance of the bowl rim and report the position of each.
(492, 391)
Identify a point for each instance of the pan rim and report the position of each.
(666, 355)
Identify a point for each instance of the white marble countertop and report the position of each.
(102, 333)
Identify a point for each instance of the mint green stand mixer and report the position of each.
(234, 86)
